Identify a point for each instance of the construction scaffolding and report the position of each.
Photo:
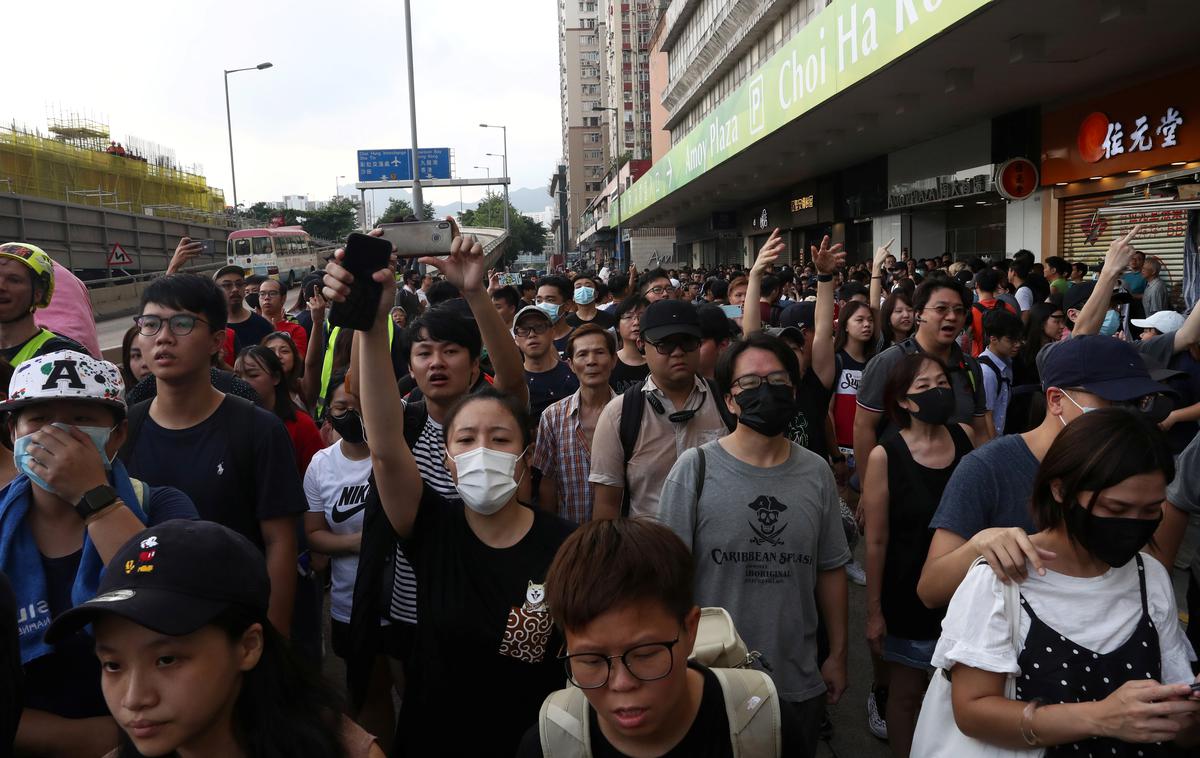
(79, 165)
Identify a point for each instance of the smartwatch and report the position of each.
(95, 500)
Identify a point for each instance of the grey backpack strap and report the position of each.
(752, 706)
(563, 725)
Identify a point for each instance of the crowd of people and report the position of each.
(608, 513)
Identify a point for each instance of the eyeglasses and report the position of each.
(667, 346)
(944, 310)
(181, 324)
(648, 662)
(540, 327)
(630, 315)
(268, 294)
(660, 290)
(754, 381)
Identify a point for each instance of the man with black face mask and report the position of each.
(761, 515)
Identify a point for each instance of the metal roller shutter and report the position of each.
(1164, 227)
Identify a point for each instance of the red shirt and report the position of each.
(306, 439)
(299, 336)
(973, 341)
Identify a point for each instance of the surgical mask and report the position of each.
(485, 479)
(349, 427)
(1082, 408)
(1113, 540)
(767, 409)
(23, 459)
(551, 310)
(1112, 323)
(935, 406)
(252, 300)
(732, 311)
(584, 295)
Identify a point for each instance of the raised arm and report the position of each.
(826, 260)
(185, 251)
(310, 383)
(464, 269)
(397, 478)
(877, 278)
(1188, 334)
(1116, 260)
(767, 255)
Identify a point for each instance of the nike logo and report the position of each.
(352, 500)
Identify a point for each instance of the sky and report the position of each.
(339, 83)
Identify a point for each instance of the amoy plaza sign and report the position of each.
(843, 44)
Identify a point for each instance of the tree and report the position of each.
(263, 213)
(526, 235)
(399, 209)
(334, 221)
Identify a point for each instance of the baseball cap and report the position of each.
(1078, 295)
(65, 375)
(802, 315)
(526, 311)
(714, 325)
(667, 317)
(1164, 321)
(229, 269)
(174, 578)
(1104, 366)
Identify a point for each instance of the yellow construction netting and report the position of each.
(31, 164)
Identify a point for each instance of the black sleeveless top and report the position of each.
(914, 492)
(1057, 670)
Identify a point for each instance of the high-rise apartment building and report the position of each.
(582, 67)
(628, 25)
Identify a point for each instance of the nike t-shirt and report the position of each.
(337, 487)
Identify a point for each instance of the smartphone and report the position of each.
(419, 238)
(364, 256)
(210, 247)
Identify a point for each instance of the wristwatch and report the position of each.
(95, 500)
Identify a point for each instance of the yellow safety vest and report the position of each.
(31, 347)
(327, 365)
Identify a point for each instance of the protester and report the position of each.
(1135, 282)
(716, 332)
(564, 438)
(974, 339)
(554, 298)
(67, 511)
(480, 560)
(778, 484)
(262, 370)
(191, 663)
(292, 360)
(248, 327)
(684, 411)
(1103, 664)
(272, 294)
(507, 301)
(26, 286)
(1004, 333)
(234, 460)
(631, 368)
(585, 297)
(1156, 297)
(854, 342)
(909, 469)
(69, 313)
(622, 593)
(895, 320)
(550, 378)
(134, 367)
(655, 285)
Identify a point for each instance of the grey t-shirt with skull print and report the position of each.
(759, 536)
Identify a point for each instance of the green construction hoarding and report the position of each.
(846, 42)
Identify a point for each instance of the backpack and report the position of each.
(974, 331)
(755, 731)
(633, 407)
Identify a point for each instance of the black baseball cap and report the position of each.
(666, 318)
(1077, 296)
(174, 578)
(1104, 366)
(802, 315)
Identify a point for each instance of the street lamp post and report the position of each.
(418, 200)
(229, 125)
(337, 186)
(617, 163)
(488, 170)
(504, 156)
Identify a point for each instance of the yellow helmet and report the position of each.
(35, 258)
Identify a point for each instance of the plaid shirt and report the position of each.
(563, 453)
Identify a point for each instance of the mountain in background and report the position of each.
(525, 199)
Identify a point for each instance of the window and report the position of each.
(591, 121)
(591, 186)
(262, 245)
(241, 247)
(591, 155)
(592, 138)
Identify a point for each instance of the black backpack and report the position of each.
(633, 407)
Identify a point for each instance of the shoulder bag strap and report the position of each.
(752, 707)
(563, 725)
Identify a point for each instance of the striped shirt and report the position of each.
(430, 454)
(564, 454)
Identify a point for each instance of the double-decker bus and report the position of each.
(285, 253)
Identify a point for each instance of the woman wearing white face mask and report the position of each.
(484, 628)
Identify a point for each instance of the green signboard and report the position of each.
(846, 42)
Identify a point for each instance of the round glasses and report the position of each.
(647, 662)
(180, 324)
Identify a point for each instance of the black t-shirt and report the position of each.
(603, 319)
(625, 376)
(224, 382)
(55, 343)
(808, 427)
(485, 634)
(201, 461)
(251, 331)
(546, 387)
(11, 678)
(708, 737)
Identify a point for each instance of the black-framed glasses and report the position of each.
(754, 381)
(541, 327)
(667, 346)
(269, 294)
(647, 662)
(660, 290)
(181, 324)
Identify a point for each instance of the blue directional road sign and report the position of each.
(396, 165)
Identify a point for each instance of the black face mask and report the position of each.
(767, 409)
(252, 301)
(934, 406)
(1113, 540)
(349, 427)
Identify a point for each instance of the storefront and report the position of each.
(803, 215)
(1131, 157)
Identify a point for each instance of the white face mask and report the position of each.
(485, 479)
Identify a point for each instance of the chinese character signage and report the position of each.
(396, 165)
(802, 203)
(1145, 127)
